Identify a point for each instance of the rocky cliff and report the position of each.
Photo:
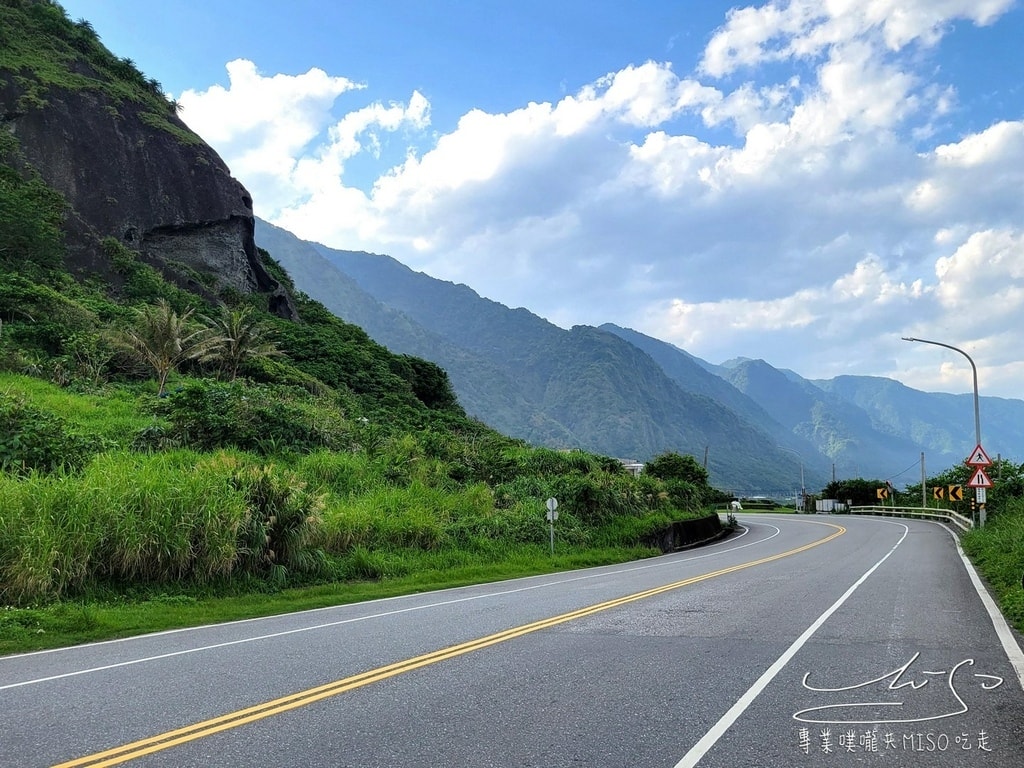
(97, 131)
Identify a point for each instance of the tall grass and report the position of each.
(159, 518)
(120, 519)
(114, 415)
(998, 552)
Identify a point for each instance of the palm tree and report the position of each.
(242, 337)
(163, 339)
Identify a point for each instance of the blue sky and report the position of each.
(801, 181)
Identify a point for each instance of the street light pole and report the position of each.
(979, 493)
(803, 488)
(974, 371)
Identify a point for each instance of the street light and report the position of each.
(803, 488)
(979, 492)
(974, 371)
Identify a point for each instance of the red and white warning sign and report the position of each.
(979, 479)
(978, 458)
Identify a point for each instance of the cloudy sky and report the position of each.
(802, 181)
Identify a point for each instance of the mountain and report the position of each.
(937, 422)
(700, 377)
(112, 210)
(528, 378)
(531, 379)
(130, 173)
(837, 427)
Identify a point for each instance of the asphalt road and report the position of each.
(805, 641)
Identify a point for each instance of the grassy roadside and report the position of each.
(69, 623)
(997, 551)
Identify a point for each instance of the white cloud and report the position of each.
(279, 134)
(982, 282)
(868, 296)
(975, 181)
(802, 217)
(807, 28)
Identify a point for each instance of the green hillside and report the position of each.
(280, 452)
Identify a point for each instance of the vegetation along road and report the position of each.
(834, 641)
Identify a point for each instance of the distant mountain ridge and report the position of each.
(615, 391)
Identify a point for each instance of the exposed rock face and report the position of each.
(163, 193)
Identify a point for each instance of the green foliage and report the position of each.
(38, 317)
(267, 419)
(998, 551)
(31, 214)
(34, 440)
(276, 271)
(279, 524)
(860, 492)
(242, 337)
(672, 466)
(163, 340)
(141, 281)
(685, 481)
(163, 518)
(344, 357)
(124, 518)
(429, 383)
(343, 474)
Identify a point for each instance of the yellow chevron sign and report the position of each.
(938, 492)
(955, 493)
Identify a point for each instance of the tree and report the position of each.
(163, 339)
(672, 466)
(242, 337)
(859, 491)
(685, 481)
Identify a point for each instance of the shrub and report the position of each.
(207, 415)
(32, 439)
(342, 473)
(281, 518)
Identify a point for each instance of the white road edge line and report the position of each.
(326, 625)
(701, 748)
(592, 573)
(1010, 646)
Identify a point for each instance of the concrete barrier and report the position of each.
(688, 533)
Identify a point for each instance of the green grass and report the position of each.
(997, 550)
(115, 414)
(72, 622)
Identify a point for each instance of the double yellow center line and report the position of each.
(160, 742)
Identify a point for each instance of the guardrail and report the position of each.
(961, 522)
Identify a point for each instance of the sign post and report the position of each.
(552, 505)
(980, 481)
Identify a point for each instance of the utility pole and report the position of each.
(924, 499)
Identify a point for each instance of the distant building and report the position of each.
(634, 467)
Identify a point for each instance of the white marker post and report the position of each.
(552, 505)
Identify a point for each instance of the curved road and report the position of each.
(804, 641)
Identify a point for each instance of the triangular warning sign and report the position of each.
(979, 479)
(978, 458)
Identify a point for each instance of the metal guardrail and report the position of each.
(961, 522)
